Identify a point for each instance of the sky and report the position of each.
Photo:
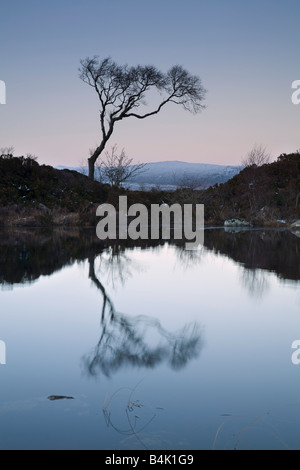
(245, 52)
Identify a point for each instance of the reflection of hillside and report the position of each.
(274, 250)
(25, 255)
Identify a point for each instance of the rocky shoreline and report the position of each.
(41, 216)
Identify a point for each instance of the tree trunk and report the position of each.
(91, 163)
(93, 158)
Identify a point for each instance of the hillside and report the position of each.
(30, 192)
(40, 195)
(24, 181)
(34, 195)
(259, 194)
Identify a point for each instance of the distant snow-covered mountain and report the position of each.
(177, 173)
(169, 175)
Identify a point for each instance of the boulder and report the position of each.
(296, 224)
(236, 223)
(235, 229)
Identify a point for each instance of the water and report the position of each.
(161, 348)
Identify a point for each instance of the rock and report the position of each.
(296, 224)
(236, 223)
(294, 227)
(235, 229)
(59, 397)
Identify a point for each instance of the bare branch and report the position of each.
(7, 151)
(117, 168)
(257, 156)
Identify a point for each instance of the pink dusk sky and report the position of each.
(245, 52)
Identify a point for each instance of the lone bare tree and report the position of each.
(121, 90)
(7, 151)
(257, 156)
(117, 168)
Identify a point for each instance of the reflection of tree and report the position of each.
(107, 303)
(115, 264)
(255, 281)
(189, 258)
(139, 341)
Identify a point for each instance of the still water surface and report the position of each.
(160, 348)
